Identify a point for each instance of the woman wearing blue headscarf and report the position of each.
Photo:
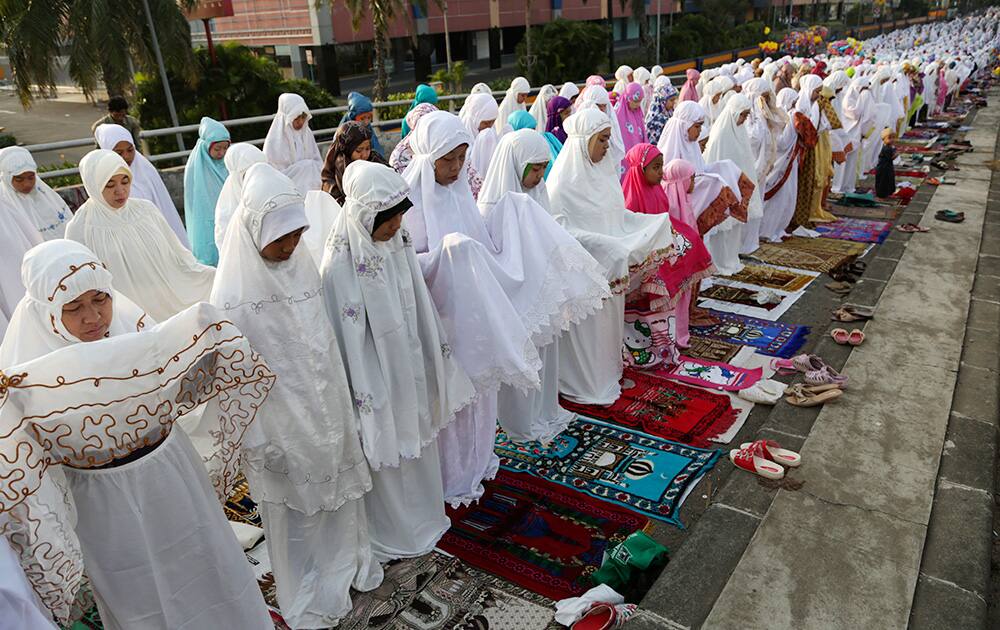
(359, 108)
(204, 175)
(424, 94)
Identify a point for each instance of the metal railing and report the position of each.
(237, 122)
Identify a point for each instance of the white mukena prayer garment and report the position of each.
(536, 415)
(293, 151)
(406, 383)
(96, 481)
(588, 201)
(146, 181)
(302, 457)
(41, 206)
(498, 281)
(149, 264)
(240, 157)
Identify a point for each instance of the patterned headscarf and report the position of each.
(658, 114)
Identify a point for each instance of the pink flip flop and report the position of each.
(856, 338)
(840, 335)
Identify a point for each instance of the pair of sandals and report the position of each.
(855, 337)
(949, 216)
(763, 392)
(852, 313)
(912, 228)
(765, 458)
(815, 370)
(801, 395)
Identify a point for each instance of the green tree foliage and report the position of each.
(563, 48)
(248, 85)
(100, 37)
(912, 8)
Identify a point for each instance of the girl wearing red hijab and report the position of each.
(689, 91)
(675, 280)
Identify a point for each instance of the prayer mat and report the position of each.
(665, 409)
(439, 592)
(711, 349)
(735, 295)
(539, 535)
(774, 339)
(858, 230)
(711, 374)
(888, 212)
(601, 461)
(812, 254)
(771, 278)
(239, 506)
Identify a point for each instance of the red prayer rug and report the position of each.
(539, 535)
(666, 409)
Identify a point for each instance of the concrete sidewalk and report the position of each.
(852, 547)
(845, 550)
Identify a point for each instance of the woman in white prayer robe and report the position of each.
(17, 236)
(858, 108)
(24, 192)
(717, 92)
(722, 193)
(20, 607)
(302, 458)
(240, 157)
(516, 178)
(290, 145)
(135, 242)
(587, 199)
(539, 108)
(122, 498)
(782, 184)
(146, 181)
(513, 101)
(406, 382)
(729, 141)
(504, 302)
(479, 114)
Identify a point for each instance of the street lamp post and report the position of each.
(163, 74)
(658, 9)
(447, 37)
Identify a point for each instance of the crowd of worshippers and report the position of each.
(347, 331)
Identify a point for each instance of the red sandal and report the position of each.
(753, 460)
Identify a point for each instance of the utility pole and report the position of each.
(611, 36)
(163, 74)
(447, 37)
(658, 9)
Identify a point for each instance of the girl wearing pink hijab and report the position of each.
(678, 183)
(675, 280)
(630, 117)
(689, 91)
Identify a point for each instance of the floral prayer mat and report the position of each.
(711, 349)
(772, 278)
(539, 535)
(858, 230)
(813, 254)
(665, 409)
(601, 461)
(775, 339)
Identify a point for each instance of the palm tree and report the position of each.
(104, 40)
(381, 13)
(639, 14)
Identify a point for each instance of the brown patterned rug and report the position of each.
(813, 254)
(712, 349)
(771, 278)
